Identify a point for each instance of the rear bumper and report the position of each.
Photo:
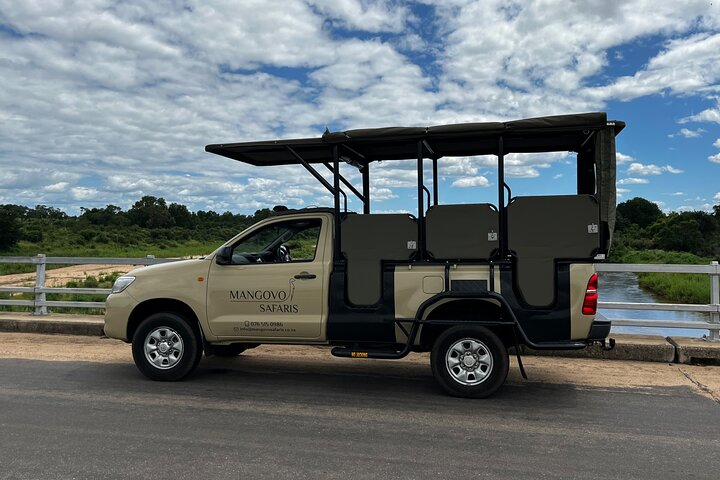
(599, 330)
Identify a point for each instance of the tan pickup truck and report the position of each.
(463, 281)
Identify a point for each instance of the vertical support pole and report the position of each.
(336, 194)
(715, 300)
(501, 199)
(366, 187)
(40, 283)
(421, 203)
(435, 181)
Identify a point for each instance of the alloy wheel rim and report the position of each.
(164, 348)
(469, 361)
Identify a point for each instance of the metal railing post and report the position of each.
(40, 308)
(715, 300)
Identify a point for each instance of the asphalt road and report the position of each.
(283, 418)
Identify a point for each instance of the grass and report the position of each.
(670, 287)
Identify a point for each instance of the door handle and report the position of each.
(305, 276)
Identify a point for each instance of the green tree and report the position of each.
(639, 211)
(262, 215)
(180, 215)
(9, 229)
(101, 216)
(45, 212)
(151, 212)
(679, 233)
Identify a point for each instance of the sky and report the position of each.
(102, 102)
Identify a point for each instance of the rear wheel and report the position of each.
(469, 362)
(165, 347)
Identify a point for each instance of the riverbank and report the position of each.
(670, 287)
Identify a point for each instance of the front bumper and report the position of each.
(118, 308)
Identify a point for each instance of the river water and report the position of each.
(623, 287)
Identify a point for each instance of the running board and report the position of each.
(344, 352)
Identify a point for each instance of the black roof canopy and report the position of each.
(542, 134)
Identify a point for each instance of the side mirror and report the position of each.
(224, 256)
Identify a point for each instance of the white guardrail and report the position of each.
(40, 304)
(713, 308)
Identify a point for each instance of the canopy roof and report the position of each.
(542, 134)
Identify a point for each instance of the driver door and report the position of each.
(275, 285)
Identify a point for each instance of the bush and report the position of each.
(9, 230)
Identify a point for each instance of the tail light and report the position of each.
(591, 296)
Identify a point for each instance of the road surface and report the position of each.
(296, 413)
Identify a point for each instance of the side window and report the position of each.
(291, 241)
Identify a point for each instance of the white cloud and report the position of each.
(381, 194)
(687, 133)
(640, 169)
(122, 99)
(466, 182)
(650, 169)
(622, 158)
(83, 193)
(717, 197)
(677, 194)
(686, 65)
(526, 57)
(522, 172)
(375, 16)
(714, 158)
(717, 143)
(632, 181)
(56, 187)
(710, 115)
(705, 207)
(557, 176)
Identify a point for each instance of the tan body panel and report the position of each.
(177, 281)
(415, 285)
(580, 324)
(261, 302)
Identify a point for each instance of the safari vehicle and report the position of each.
(465, 282)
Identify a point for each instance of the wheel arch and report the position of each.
(465, 309)
(159, 305)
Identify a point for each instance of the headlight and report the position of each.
(122, 283)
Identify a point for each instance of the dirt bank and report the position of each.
(58, 277)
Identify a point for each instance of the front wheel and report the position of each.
(165, 347)
(469, 362)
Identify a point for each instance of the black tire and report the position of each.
(489, 367)
(232, 350)
(168, 328)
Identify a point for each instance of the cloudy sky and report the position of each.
(105, 101)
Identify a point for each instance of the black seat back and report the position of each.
(543, 229)
(468, 231)
(367, 240)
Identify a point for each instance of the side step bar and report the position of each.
(345, 352)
